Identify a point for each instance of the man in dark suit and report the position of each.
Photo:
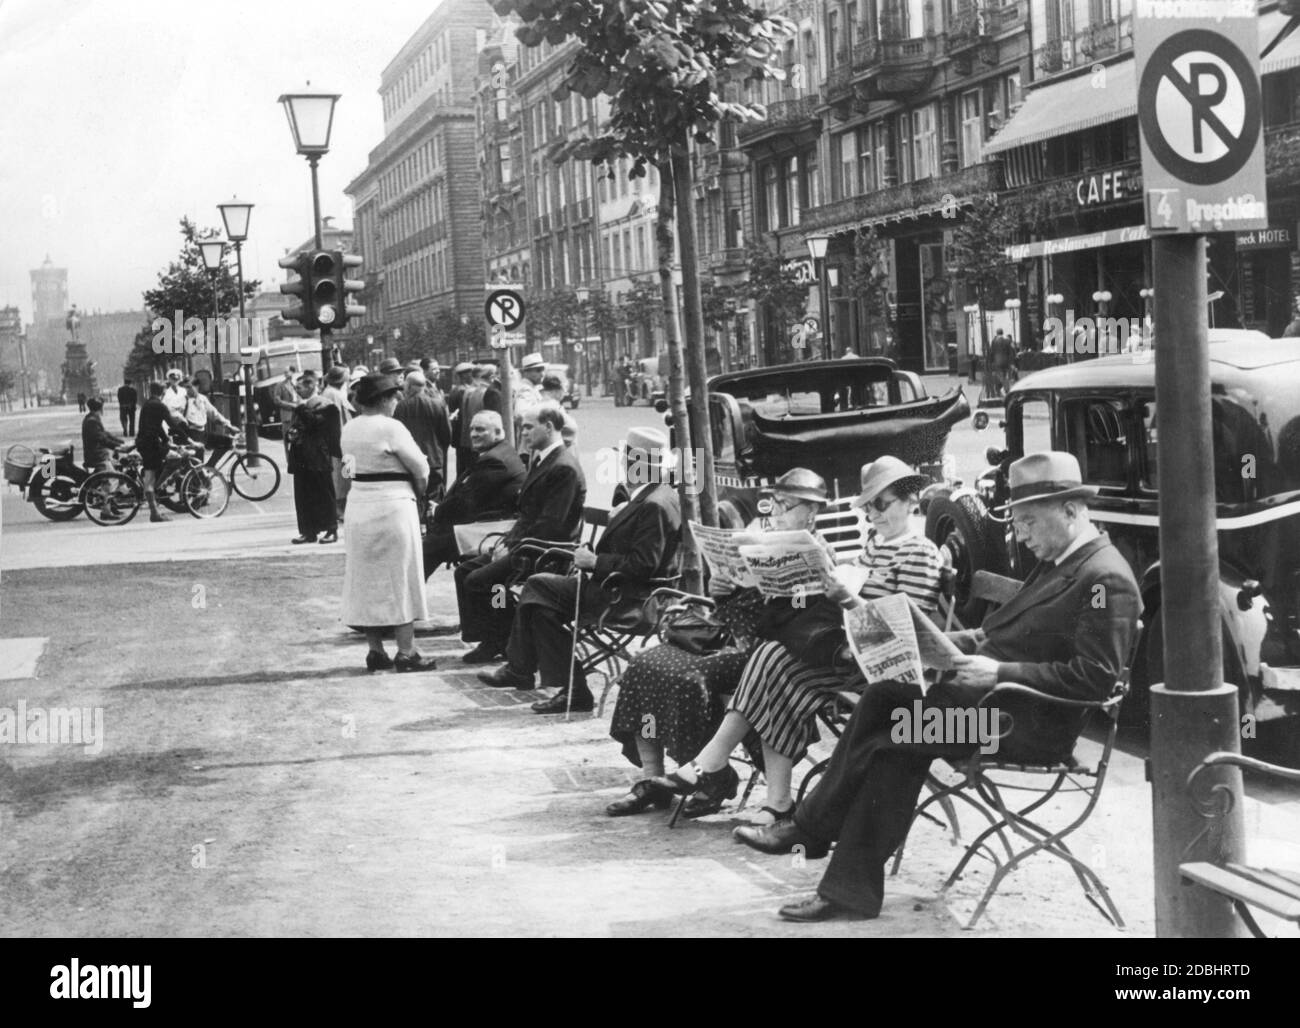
(488, 489)
(550, 507)
(127, 398)
(426, 418)
(1066, 633)
(639, 543)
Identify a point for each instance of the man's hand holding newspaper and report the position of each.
(892, 638)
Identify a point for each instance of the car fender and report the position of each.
(1246, 628)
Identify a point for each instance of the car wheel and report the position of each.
(974, 542)
(734, 514)
(1149, 669)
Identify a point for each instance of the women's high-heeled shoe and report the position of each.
(377, 660)
(712, 790)
(643, 795)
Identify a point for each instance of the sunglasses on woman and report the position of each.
(880, 504)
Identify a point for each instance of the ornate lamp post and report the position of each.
(817, 246)
(214, 251)
(235, 214)
(311, 118)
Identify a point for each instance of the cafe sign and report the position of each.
(1106, 187)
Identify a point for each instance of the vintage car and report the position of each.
(832, 416)
(1104, 412)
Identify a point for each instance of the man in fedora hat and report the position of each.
(639, 543)
(527, 391)
(1066, 633)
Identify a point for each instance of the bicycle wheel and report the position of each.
(254, 481)
(111, 498)
(206, 492)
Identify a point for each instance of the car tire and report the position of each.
(974, 542)
(1149, 669)
(734, 514)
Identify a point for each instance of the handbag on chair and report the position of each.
(694, 631)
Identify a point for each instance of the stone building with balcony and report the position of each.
(1076, 139)
(893, 145)
(426, 222)
(506, 228)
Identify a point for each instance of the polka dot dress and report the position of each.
(676, 698)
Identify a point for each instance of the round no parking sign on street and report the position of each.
(1200, 117)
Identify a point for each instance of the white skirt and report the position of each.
(383, 579)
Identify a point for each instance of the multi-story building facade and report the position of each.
(506, 230)
(418, 198)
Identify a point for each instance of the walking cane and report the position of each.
(573, 651)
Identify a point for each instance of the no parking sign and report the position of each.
(1200, 115)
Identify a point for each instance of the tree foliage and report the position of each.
(868, 276)
(978, 252)
(642, 306)
(777, 287)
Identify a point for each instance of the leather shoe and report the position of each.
(329, 537)
(643, 795)
(377, 660)
(815, 908)
(298, 540)
(583, 702)
(504, 678)
(781, 837)
(414, 662)
(483, 653)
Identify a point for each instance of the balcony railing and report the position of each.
(908, 199)
(781, 116)
(1092, 44)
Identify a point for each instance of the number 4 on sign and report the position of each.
(1161, 203)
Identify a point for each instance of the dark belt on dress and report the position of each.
(384, 476)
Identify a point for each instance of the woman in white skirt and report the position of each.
(383, 584)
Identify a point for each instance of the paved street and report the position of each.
(252, 779)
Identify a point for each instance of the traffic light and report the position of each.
(350, 286)
(299, 288)
(326, 288)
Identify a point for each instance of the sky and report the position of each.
(120, 117)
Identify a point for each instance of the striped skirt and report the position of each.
(779, 696)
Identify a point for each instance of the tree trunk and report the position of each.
(696, 367)
(692, 567)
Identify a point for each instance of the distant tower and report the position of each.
(49, 296)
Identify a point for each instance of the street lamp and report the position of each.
(213, 252)
(817, 247)
(235, 214)
(1148, 329)
(311, 118)
(1013, 306)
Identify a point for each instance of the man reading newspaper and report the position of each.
(1066, 633)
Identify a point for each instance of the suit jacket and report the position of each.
(429, 426)
(551, 500)
(1066, 633)
(489, 486)
(641, 539)
(127, 396)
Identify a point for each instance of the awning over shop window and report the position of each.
(1093, 98)
(1286, 54)
(1069, 244)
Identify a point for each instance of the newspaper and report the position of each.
(721, 548)
(788, 564)
(892, 638)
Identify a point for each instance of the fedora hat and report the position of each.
(462, 367)
(375, 386)
(532, 360)
(880, 474)
(390, 366)
(337, 375)
(1047, 476)
(800, 482)
(651, 442)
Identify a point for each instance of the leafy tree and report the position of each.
(666, 68)
(868, 276)
(779, 289)
(187, 286)
(978, 256)
(602, 321)
(643, 308)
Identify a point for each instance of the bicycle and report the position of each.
(186, 485)
(254, 476)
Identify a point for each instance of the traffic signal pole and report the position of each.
(1192, 712)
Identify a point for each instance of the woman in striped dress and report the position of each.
(779, 693)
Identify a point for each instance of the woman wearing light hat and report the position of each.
(683, 694)
(786, 681)
(382, 582)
